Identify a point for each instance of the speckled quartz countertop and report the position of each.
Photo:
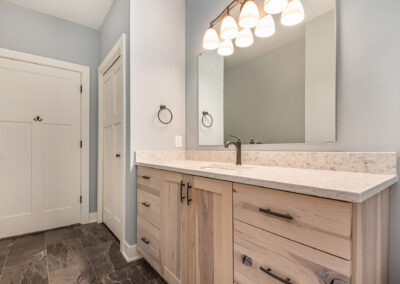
(339, 185)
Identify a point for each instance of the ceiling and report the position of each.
(89, 13)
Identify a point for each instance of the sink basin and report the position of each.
(225, 167)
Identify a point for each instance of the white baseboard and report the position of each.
(130, 253)
(93, 217)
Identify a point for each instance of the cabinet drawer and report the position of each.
(263, 257)
(323, 224)
(149, 205)
(149, 177)
(148, 241)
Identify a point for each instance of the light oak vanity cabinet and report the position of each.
(199, 230)
(195, 240)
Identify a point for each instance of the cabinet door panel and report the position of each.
(210, 250)
(173, 228)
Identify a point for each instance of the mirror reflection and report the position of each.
(279, 90)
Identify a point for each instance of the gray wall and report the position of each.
(259, 102)
(39, 34)
(157, 77)
(368, 87)
(115, 24)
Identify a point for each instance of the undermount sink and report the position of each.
(225, 167)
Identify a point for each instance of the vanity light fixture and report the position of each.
(293, 14)
(211, 39)
(225, 48)
(249, 15)
(244, 38)
(275, 6)
(265, 27)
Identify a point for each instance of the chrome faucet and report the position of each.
(238, 146)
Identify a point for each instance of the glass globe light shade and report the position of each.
(225, 48)
(211, 39)
(245, 38)
(275, 6)
(249, 15)
(293, 14)
(229, 28)
(265, 27)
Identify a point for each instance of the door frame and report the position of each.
(85, 114)
(118, 51)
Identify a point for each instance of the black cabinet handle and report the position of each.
(144, 203)
(145, 177)
(117, 155)
(146, 241)
(246, 260)
(37, 118)
(181, 189)
(188, 186)
(270, 273)
(270, 212)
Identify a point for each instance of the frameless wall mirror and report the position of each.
(281, 89)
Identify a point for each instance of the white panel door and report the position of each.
(112, 148)
(39, 147)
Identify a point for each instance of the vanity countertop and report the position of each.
(339, 185)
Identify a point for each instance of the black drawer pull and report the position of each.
(246, 260)
(117, 155)
(145, 177)
(181, 189)
(269, 272)
(270, 212)
(146, 241)
(144, 203)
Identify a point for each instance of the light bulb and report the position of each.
(210, 40)
(293, 14)
(275, 6)
(265, 27)
(229, 28)
(249, 15)
(244, 38)
(225, 48)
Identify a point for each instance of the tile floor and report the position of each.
(75, 254)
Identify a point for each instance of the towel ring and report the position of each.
(163, 107)
(205, 114)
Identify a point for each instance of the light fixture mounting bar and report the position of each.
(225, 12)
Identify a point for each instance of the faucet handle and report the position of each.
(237, 138)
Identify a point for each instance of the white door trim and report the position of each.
(119, 50)
(85, 113)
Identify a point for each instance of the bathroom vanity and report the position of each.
(211, 222)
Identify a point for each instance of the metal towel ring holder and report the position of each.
(205, 114)
(163, 107)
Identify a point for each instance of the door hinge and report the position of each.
(81, 144)
(81, 89)
(80, 199)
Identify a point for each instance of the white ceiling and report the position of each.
(89, 13)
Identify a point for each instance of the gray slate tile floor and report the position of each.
(74, 254)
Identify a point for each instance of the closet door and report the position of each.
(112, 148)
(210, 234)
(39, 147)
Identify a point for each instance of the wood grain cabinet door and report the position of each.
(174, 220)
(210, 235)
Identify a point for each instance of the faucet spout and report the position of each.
(238, 147)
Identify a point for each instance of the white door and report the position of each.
(39, 147)
(112, 148)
